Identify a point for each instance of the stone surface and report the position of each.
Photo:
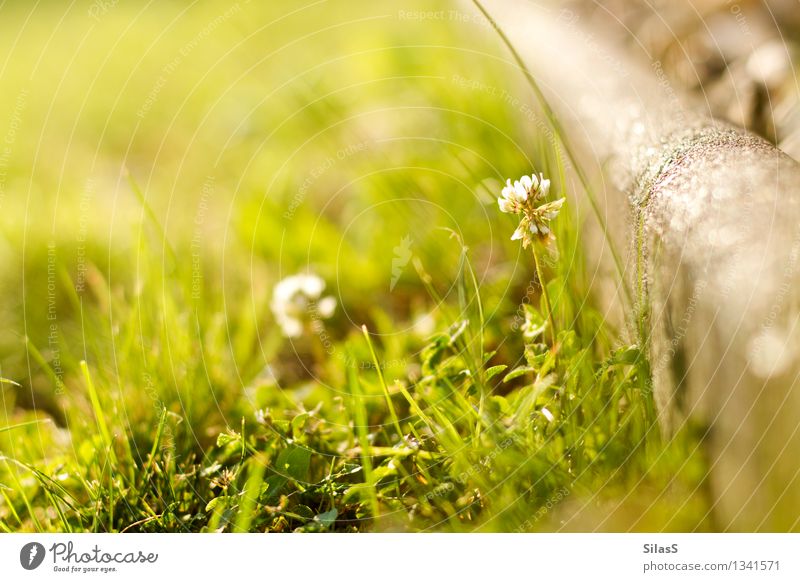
(706, 221)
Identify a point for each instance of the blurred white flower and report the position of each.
(522, 197)
(297, 301)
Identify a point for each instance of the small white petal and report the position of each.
(526, 182)
(533, 228)
(544, 186)
(312, 285)
(517, 233)
(544, 229)
(521, 194)
(291, 327)
(326, 307)
(285, 289)
(505, 205)
(550, 210)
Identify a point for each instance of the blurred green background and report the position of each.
(265, 140)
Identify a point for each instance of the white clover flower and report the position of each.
(521, 197)
(296, 301)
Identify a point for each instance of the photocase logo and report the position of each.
(31, 555)
(402, 254)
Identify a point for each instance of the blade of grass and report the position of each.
(151, 215)
(10, 507)
(23, 424)
(249, 497)
(97, 408)
(64, 522)
(156, 442)
(360, 413)
(59, 384)
(392, 412)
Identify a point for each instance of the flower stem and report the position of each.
(547, 303)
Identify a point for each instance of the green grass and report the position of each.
(149, 387)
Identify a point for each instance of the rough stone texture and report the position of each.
(706, 219)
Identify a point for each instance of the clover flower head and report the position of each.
(524, 197)
(297, 300)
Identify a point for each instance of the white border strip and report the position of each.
(401, 557)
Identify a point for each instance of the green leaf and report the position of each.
(382, 472)
(359, 490)
(298, 423)
(294, 462)
(517, 372)
(327, 519)
(494, 371)
(272, 487)
(226, 438)
(303, 512)
(432, 354)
